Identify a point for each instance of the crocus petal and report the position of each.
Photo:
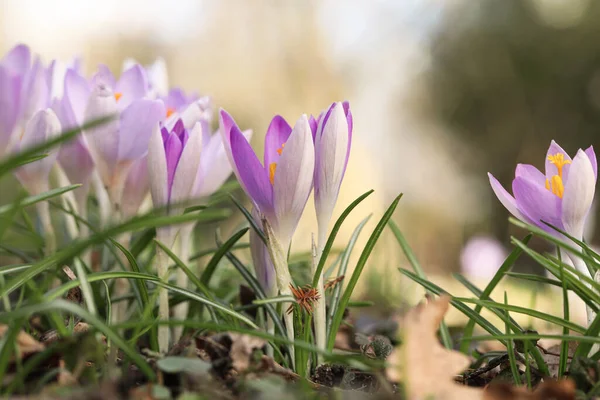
(17, 60)
(104, 77)
(277, 134)
(592, 156)
(173, 149)
(43, 126)
(9, 106)
(506, 199)
(578, 195)
(263, 265)
(133, 85)
(551, 169)
(531, 173)
(252, 176)
(35, 92)
(76, 92)
(293, 180)
(103, 139)
(157, 169)
(538, 204)
(187, 168)
(136, 188)
(331, 150)
(136, 124)
(76, 160)
(158, 77)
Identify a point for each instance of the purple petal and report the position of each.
(35, 93)
(76, 160)
(578, 195)
(506, 199)
(592, 156)
(9, 106)
(531, 173)
(17, 60)
(136, 125)
(551, 169)
(104, 77)
(277, 134)
(188, 166)
(538, 204)
(214, 167)
(293, 180)
(136, 188)
(173, 148)
(314, 124)
(348, 113)
(76, 92)
(252, 175)
(133, 85)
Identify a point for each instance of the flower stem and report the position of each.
(284, 279)
(162, 269)
(180, 310)
(43, 209)
(320, 319)
(580, 265)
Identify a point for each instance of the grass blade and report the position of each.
(224, 249)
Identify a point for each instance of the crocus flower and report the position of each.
(158, 77)
(333, 138)
(280, 187)
(562, 197)
(263, 265)
(482, 256)
(116, 144)
(13, 68)
(43, 126)
(173, 161)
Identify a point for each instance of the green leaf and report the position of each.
(250, 219)
(31, 200)
(362, 261)
(224, 249)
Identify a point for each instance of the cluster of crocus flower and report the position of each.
(314, 153)
(151, 143)
(560, 198)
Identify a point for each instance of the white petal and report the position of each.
(157, 169)
(331, 149)
(136, 188)
(293, 180)
(159, 77)
(187, 168)
(578, 195)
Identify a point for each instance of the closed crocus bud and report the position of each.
(173, 161)
(43, 126)
(333, 138)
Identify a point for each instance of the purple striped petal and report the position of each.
(578, 195)
(531, 173)
(252, 175)
(133, 85)
(293, 180)
(551, 169)
(277, 134)
(136, 125)
(592, 156)
(507, 200)
(537, 203)
(187, 168)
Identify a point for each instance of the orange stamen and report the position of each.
(170, 111)
(280, 150)
(272, 168)
(118, 96)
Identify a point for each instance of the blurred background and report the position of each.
(441, 92)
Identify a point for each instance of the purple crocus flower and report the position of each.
(116, 144)
(158, 77)
(173, 161)
(561, 197)
(481, 256)
(280, 187)
(333, 139)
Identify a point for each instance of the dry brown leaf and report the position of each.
(429, 369)
(25, 342)
(242, 347)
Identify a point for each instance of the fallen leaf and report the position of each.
(26, 344)
(242, 348)
(428, 369)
